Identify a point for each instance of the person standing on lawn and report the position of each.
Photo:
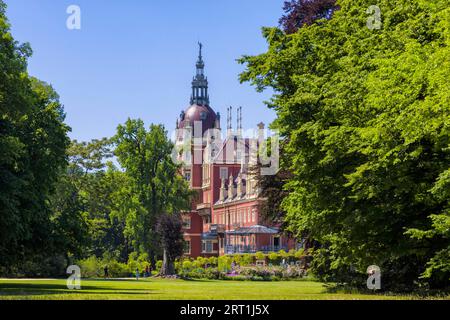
(137, 273)
(106, 272)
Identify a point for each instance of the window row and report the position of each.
(241, 216)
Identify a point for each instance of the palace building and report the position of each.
(224, 217)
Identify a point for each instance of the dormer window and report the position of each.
(203, 115)
(223, 173)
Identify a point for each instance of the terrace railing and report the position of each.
(231, 249)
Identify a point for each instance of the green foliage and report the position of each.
(299, 253)
(364, 114)
(138, 261)
(91, 267)
(270, 273)
(213, 261)
(187, 265)
(224, 263)
(260, 255)
(200, 262)
(94, 267)
(237, 258)
(273, 256)
(247, 259)
(33, 143)
(155, 185)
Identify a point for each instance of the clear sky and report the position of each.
(136, 58)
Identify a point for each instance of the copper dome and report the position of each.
(203, 113)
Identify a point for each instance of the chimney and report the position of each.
(261, 127)
(217, 125)
(229, 121)
(239, 121)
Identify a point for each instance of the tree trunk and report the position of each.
(167, 268)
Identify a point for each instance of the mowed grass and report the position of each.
(168, 289)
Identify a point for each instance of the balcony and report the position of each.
(201, 206)
(217, 228)
(204, 209)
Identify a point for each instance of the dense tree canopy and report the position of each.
(366, 113)
(146, 157)
(33, 142)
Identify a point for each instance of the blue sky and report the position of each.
(136, 58)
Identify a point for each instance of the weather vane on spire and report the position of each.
(200, 45)
(200, 82)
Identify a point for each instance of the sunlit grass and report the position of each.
(178, 290)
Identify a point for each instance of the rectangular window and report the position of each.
(223, 173)
(238, 155)
(207, 246)
(186, 222)
(187, 247)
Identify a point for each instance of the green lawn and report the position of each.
(176, 289)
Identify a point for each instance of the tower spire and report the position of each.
(200, 94)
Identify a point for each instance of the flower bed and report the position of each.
(278, 266)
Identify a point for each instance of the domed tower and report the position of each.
(197, 119)
(197, 127)
(199, 110)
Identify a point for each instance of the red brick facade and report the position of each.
(224, 217)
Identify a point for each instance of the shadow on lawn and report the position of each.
(21, 289)
(424, 294)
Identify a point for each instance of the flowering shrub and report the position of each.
(263, 273)
(293, 272)
(245, 273)
(241, 266)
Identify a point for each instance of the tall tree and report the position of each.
(33, 160)
(366, 112)
(88, 188)
(146, 158)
